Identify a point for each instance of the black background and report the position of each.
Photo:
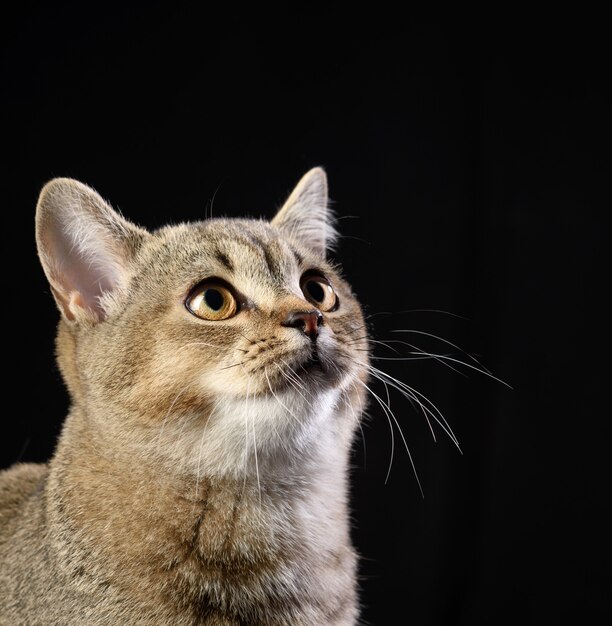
(473, 160)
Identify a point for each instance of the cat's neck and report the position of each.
(181, 538)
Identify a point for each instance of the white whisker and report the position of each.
(295, 377)
(436, 415)
(449, 358)
(246, 432)
(211, 345)
(390, 413)
(297, 419)
(256, 459)
(197, 484)
(297, 389)
(159, 435)
(450, 343)
(435, 357)
(424, 357)
(358, 422)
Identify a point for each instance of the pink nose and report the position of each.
(308, 321)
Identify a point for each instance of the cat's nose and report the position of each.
(308, 321)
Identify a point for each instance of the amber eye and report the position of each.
(318, 291)
(212, 301)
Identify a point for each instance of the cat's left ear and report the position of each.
(85, 248)
(305, 216)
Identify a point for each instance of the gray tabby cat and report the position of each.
(216, 372)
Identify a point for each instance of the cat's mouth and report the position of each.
(317, 368)
(313, 363)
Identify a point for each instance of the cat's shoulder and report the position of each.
(17, 484)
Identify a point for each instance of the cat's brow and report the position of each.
(271, 253)
(223, 259)
(298, 257)
(274, 266)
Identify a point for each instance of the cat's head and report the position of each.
(207, 343)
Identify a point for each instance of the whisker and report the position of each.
(390, 430)
(358, 422)
(450, 343)
(376, 341)
(379, 313)
(413, 401)
(212, 201)
(297, 419)
(256, 459)
(211, 345)
(227, 367)
(386, 408)
(424, 357)
(295, 377)
(354, 330)
(403, 386)
(435, 357)
(246, 433)
(197, 484)
(440, 311)
(449, 358)
(297, 389)
(412, 395)
(243, 335)
(483, 372)
(178, 443)
(167, 416)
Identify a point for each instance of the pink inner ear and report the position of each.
(90, 273)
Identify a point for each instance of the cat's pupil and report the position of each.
(214, 299)
(315, 290)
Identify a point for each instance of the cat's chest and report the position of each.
(228, 530)
(235, 557)
(210, 551)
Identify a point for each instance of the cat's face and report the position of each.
(210, 343)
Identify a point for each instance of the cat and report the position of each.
(216, 372)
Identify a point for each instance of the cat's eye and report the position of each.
(318, 291)
(212, 301)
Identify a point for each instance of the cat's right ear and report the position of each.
(85, 248)
(306, 215)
